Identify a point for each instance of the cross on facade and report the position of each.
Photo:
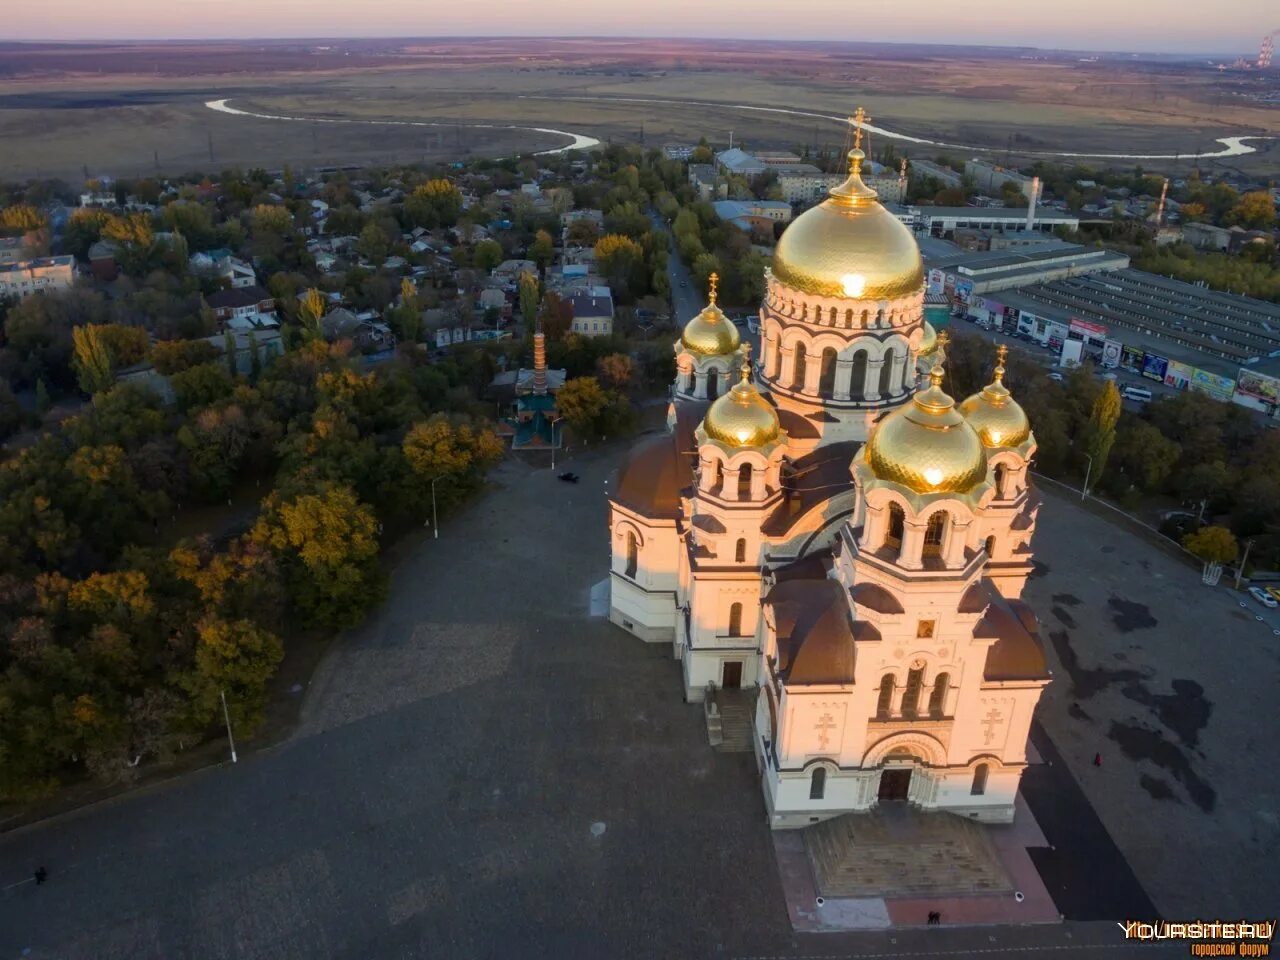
(825, 723)
(992, 721)
(713, 281)
(859, 118)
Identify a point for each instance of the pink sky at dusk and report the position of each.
(1147, 25)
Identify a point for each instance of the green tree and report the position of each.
(1100, 433)
(621, 261)
(1256, 210)
(528, 299)
(201, 385)
(1212, 544)
(615, 370)
(174, 356)
(311, 313)
(93, 360)
(327, 543)
(452, 448)
(373, 243)
(235, 658)
(21, 217)
(436, 203)
(542, 249)
(488, 254)
(582, 402)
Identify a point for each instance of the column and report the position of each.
(899, 375)
(871, 392)
(844, 377)
(812, 373)
(872, 528)
(758, 489)
(785, 367)
(700, 385)
(953, 549)
(910, 556)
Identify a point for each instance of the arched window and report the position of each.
(735, 620)
(689, 380)
(911, 696)
(991, 547)
(934, 534)
(744, 482)
(897, 523)
(633, 554)
(740, 552)
(817, 783)
(832, 316)
(827, 382)
(979, 780)
(938, 696)
(798, 368)
(1000, 472)
(865, 317)
(719, 485)
(885, 703)
(887, 386)
(713, 384)
(848, 318)
(858, 375)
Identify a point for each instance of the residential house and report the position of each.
(364, 330)
(593, 312)
(102, 260)
(244, 308)
(43, 274)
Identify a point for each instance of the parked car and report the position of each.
(1263, 597)
(1055, 376)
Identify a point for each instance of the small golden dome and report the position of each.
(849, 246)
(927, 446)
(741, 417)
(711, 333)
(994, 413)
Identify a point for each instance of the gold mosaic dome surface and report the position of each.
(994, 413)
(927, 445)
(849, 246)
(711, 333)
(741, 417)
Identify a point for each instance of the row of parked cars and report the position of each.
(1269, 597)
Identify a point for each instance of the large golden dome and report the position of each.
(992, 411)
(711, 333)
(849, 246)
(741, 417)
(927, 446)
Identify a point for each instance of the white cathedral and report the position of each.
(835, 530)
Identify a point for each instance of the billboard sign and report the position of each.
(1057, 335)
(964, 290)
(1154, 367)
(1220, 388)
(1087, 329)
(935, 280)
(1259, 386)
(1072, 351)
(1131, 359)
(1111, 353)
(1178, 374)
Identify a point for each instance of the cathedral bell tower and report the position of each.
(737, 484)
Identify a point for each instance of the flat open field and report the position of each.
(69, 109)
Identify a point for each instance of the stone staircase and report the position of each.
(900, 852)
(730, 716)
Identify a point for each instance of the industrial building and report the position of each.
(941, 221)
(968, 274)
(990, 178)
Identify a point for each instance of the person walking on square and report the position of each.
(1097, 759)
(41, 875)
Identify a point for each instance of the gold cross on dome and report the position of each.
(859, 118)
(1001, 352)
(713, 281)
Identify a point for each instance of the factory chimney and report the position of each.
(1031, 203)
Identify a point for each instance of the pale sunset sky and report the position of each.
(1174, 26)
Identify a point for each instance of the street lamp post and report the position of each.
(226, 715)
(554, 421)
(1248, 545)
(1088, 470)
(435, 523)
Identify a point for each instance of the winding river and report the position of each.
(578, 141)
(1231, 146)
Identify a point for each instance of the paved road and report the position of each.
(486, 772)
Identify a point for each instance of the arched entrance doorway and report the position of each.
(895, 776)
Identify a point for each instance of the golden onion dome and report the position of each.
(849, 246)
(994, 413)
(927, 446)
(711, 333)
(741, 417)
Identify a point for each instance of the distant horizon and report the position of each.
(437, 38)
(1155, 27)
